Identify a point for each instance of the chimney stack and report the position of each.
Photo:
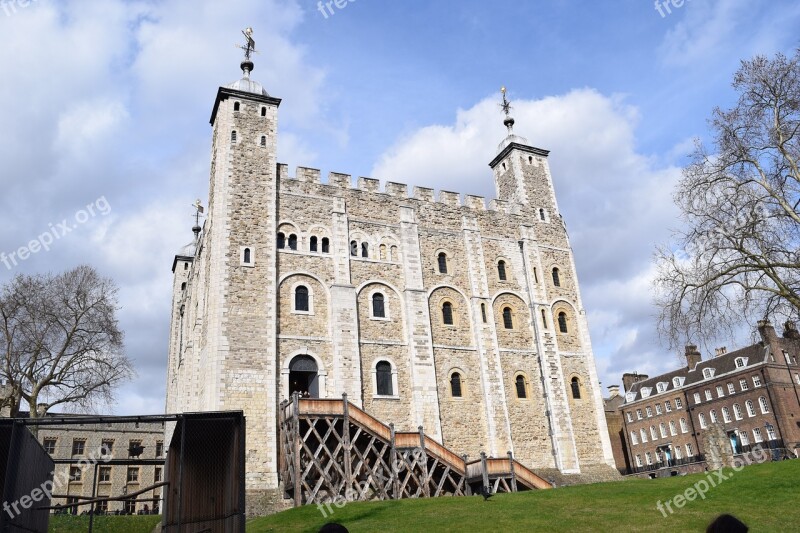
(722, 350)
(629, 379)
(613, 391)
(790, 330)
(767, 332)
(693, 356)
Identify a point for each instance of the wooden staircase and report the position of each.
(332, 451)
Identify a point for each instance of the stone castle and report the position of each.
(426, 311)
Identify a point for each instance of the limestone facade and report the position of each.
(427, 293)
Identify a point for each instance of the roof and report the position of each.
(722, 364)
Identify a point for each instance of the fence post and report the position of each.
(467, 488)
(298, 469)
(393, 466)
(485, 472)
(348, 458)
(426, 490)
(513, 473)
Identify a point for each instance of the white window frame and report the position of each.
(634, 438)
(709, 395)
(771, 435)
(757, 437)
(678, 453)
(638, 460)
(697, 398)
(750, 408)
(638, 414)
(395, 390)
(731, 388)
(662, 387)
(673, 430)
(643, 434)
(658, 409)
(630, 396)
(756, 381)
(712, 416)
(741, 362)
(677, 382)
(668, 406)
(646, 391)
(689, 450)
(252, 262)
(763, 405)
(678, 403)
(726, 415)
(386, 317)
(649, 458)
(307, 285)
(653, 433)
(744, 438)
(702, 419)
(662, 430)
(720, 392)
(738, 414)
(743, 384)
(629, 416)
(708, 373)
(684, 426)
(649, 411)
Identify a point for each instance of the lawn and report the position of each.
(103, 524)
(764, 496)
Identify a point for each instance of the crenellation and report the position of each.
(475, 202)
(501, 206)
(337, 179)
(282, 172)
(424, 194)
(369, 184)
(309, 175)
(450, 198)
(400, 190)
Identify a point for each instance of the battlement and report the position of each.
(395, 190)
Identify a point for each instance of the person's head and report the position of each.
(726, 523)
(333, 528)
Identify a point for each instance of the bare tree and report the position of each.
(738, 259)
(61, 344)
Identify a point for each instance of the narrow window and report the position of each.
(508, 321)
(281, 241)
(544, 319)
(263, 111)
(483, 312)
(562, 322)
(501, 270)
(447, 313)
(247, 255)
(535, 276)
(442, 263)
(556, 278)
(576, 388)
(541, 214)
(233, 137)
(530, 159)
(186, 266)
(354, 248)
(263, 141)
(378, 310)
(312, 246)
(382, 252)
(326, 246)
(301, 298)
(762, 403)
(394, 256)
(183, 286)
(455, 385)
(521, 392)
(293, 242)
(236, 106)
(383, 376)
(364, 249)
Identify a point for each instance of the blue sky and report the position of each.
(111, 99)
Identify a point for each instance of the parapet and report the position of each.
(450, 198)
(337, 179)
(369, 184)
(399, 190)
(475, 202)
(310, 175)
(424, 194)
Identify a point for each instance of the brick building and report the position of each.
(616, 428)
(704, 414)
(426, 311)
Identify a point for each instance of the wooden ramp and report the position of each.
(332, 451)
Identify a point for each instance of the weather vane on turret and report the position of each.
(198, 211)
(249, 49)
(506, 105)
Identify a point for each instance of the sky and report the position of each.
(104, 109)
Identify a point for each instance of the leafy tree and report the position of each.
(738, 260)
(60, 343)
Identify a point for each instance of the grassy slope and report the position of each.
(103, 524)
(763, 496)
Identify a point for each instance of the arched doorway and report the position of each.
(304, 376)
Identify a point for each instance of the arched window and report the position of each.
(382, 254)
(576, 388)
(394, 255)
(501, 270)
(186, 266)
(281, 241)
(263, 141)
(544, 319)
(508, 321)
(447, 313)
(246, 255)
(442, 259)
(483, 312)
(312, 245)
(455, 385)
(562, 322)
(383, 378)
(233, 136)
(378, 309)
(183, 288)
(541, 214)
(354, 248)
(326, 245)
(301, 298)
(556, 278)
(293, 242)
(236, 106)
(762, 403)
(364, 249)
(263, 111)
(521, 392)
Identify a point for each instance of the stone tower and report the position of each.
(463, 319)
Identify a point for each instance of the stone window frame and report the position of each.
(392, 249)
(320, 232)
(556, 273)
(454, 315)
(387, 316)
(526, 382)
(50, 440)
(464, 391)
(105, 470)
(581, 387)
(448, 256)
(263, 111)
(571, 325)
(261, 140)
(544, 215)
(374, 371)
(307, 285)
(243, 254)
(322, 373)
(506, 269)
(237, 106)
(235, 138)
(289, 228)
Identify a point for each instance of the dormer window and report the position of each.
(677, 382)
(708, 373)
(661, 387)
(630, 396)
(741, 362)
(646, 391)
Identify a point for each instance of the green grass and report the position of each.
(103, 524)
(762, 496)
